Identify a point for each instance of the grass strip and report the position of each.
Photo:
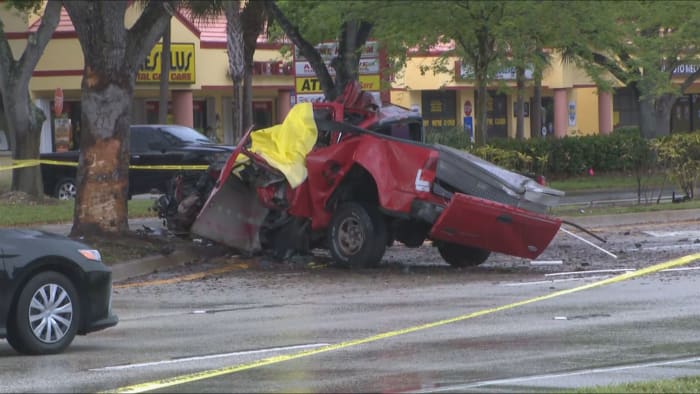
(20, 214)
(690, 384)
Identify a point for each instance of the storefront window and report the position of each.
(199, 114)
(439, 109)
(262, 114)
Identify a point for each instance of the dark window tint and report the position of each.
(138, 140)
(177, 135)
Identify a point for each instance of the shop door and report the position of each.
(547, 118)
(680, 115)
(262, 114)
(496, 116)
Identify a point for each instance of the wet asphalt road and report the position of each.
(253, 320)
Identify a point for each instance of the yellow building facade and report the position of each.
(201, 88)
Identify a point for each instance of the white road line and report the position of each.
(665, 247)
(660, 234)
(517, 380)
(539, 282)
(585, 275)
(207, 357)
(547, 262)
(589, 272)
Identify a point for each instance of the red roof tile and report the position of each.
(211, 32)
(65, 25)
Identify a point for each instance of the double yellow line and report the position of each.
(189, 378)
(36, 162)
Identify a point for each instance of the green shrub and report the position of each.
(680, 154)
(454, 137)
(624, 150)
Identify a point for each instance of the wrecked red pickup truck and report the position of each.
(323, 179)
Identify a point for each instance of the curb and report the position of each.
(148, 265)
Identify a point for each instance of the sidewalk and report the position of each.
(129, 269)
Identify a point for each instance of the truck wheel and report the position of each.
(47, 315)
(357, 235)
(462, 256)
(65, 189)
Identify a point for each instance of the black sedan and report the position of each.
(151, 146)
(51, 288)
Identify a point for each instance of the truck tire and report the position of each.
(461, 255)
(65, 189)
(357, 235)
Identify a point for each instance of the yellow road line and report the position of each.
(189, 378)
(185, 278)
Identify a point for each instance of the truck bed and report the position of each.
(468, 174)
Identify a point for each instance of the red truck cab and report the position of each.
(367, 186)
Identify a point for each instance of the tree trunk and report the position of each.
(253, 19)
(536, 110)
(237, 108)
(306, 48)
(236, 64)
(24, 120)
(112, 56)
(164, 78)
(247, 101)
(481, 107)
(647, 118)
(662, 112)
(103, 174)
(520, 122)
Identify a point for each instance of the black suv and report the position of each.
(151, 145)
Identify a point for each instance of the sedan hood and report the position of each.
(17, 237)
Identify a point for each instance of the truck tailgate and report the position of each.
(497, 227)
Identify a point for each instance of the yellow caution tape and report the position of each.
(31, 163)
(183, 379)
(20, 164)
(201, 167)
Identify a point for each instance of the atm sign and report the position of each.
(312, 85)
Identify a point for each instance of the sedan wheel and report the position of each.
(46, 315)
(66, 190)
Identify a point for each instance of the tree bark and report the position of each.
(536, 110)
(112, 56)
(306, 48)
(647, 118)
(236, 64)
(24, 119)
(164, 78)
(253, 19)
(520, 104)
(662, 112)
(481, 107)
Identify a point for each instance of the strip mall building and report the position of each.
(201, 88)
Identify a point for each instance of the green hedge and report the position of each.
(623, 150)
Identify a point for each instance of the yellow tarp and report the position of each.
(285, 146)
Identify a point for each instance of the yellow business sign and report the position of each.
(181, 64)
(312, 85)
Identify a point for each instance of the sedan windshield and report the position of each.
(182, 134)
